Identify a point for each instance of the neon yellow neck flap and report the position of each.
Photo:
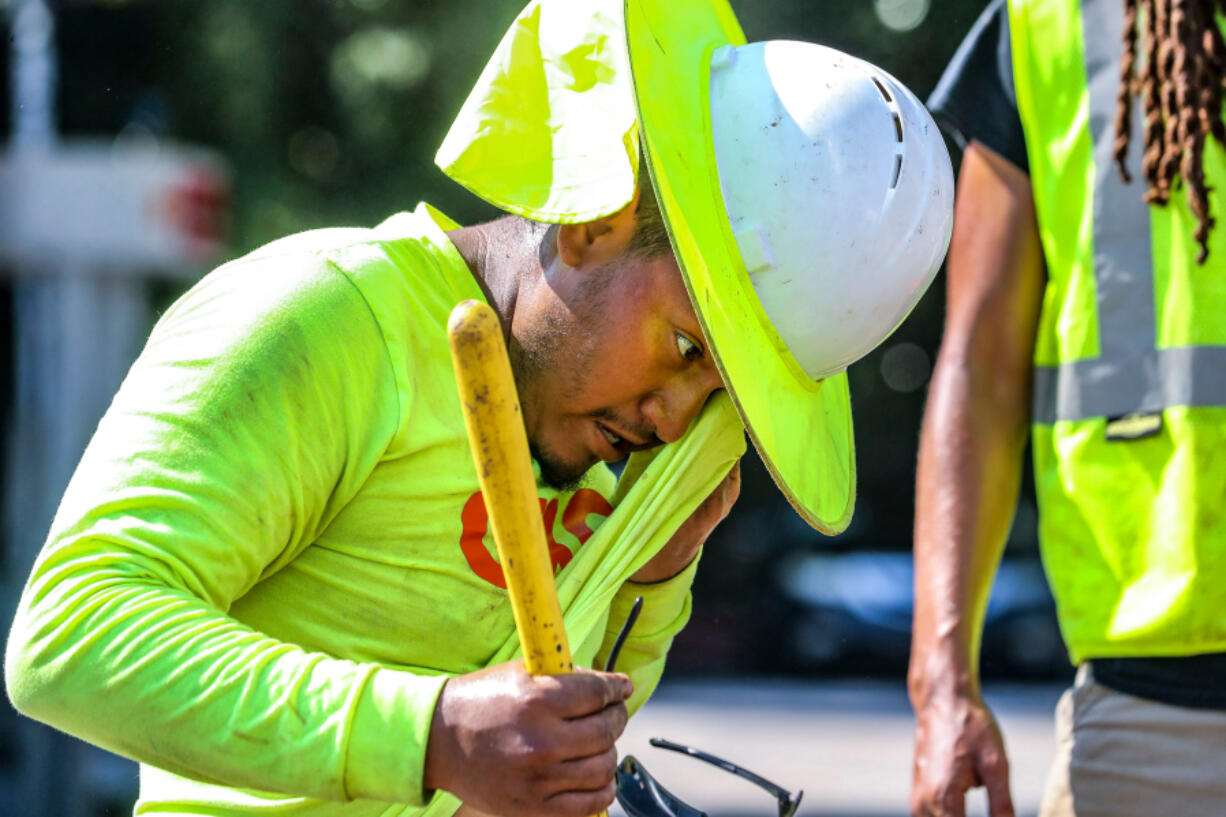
(549, 132)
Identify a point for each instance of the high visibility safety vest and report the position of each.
(1129, 411)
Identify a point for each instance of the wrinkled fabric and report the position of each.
(271, 555)
(548, 132)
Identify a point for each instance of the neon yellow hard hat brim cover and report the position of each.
(551, 132)
(802, 428)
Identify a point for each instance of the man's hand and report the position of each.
(958, 747)
(517, 745)
(684, 544)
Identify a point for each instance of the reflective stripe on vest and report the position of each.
(1129, 374)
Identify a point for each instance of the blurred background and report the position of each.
(146, 142)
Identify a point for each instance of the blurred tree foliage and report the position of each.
(330, 111)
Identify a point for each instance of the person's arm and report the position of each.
(233, 442)
(666, 610)
(974, 432)
(664, 583)
(253, 416)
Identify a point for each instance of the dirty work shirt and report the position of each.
(274, 550)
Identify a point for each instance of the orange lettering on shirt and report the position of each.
(474, 521)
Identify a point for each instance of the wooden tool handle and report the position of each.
(499, 444)
(504, 467)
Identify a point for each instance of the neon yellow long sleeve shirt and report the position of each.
(274, 550)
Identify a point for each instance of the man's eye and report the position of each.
(688, 349)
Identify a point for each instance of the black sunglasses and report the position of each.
(641, 795)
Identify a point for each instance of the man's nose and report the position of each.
(672, 409)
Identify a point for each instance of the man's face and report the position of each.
(609, 360)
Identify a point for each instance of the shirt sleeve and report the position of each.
(974, 99)
(260, 404)
(666, 610)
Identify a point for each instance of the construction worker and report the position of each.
(1086, 298)
(270, 579)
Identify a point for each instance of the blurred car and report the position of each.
(850, 613)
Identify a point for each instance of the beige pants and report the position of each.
(1121, 756)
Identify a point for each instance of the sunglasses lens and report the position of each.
(641, 795)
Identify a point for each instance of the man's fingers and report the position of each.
(1001, 803)
(949, 802)
(733, 480)
(517, 745)
(953, 804)
(725, 494)
(958, 747)
(924, 808)
(581, 803)
(995, 774)
(586, 691)
(596, 732)
(590, 773)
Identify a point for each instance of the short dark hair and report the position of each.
(650, 236)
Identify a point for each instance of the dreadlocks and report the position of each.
(1180, 84)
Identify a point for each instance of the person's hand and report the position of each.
(681, 549)
(517, 745)
(958, 747)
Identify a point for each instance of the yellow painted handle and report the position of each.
(504, 467)
(499, 444)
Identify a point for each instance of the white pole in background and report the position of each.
(72, 338)
(86, 226)
(45, 779)
(34, 74)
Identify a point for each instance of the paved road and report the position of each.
(847, 745)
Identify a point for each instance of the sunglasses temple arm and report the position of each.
(780, 793)
(622, 634)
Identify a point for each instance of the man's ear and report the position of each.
(600, 240)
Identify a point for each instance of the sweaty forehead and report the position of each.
(651, 283)
(659, 273)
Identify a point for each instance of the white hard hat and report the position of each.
(839, 191)
(808, 196)
(809, 199)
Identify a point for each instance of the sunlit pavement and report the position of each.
(847, 744)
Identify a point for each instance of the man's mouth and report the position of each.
(613, 439)
(617, 444)
(621, 447)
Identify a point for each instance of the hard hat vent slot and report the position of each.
(897, 126)
(897, 170)
(884, 93)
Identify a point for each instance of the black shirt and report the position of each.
(975, 99)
